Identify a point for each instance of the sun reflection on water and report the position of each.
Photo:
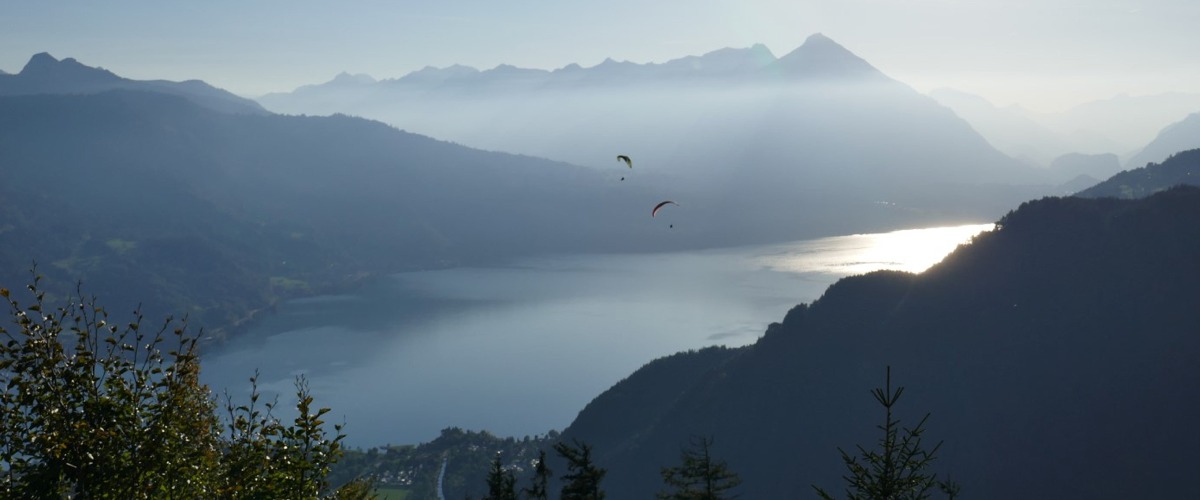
(912, 250)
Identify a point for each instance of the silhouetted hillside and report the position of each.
(1179, 168)
(1056, 355)
(149, 197)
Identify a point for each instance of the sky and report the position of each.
(1046, 55)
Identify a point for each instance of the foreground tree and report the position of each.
(539, 487)
(502, 484)
(90, 408)
(699, 476)
(899, 468)
(264, 458)
(582, 481)
(94, 408)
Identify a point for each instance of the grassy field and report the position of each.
(389, 493)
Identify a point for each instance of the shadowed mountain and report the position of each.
(1056, 355)
(816, 141)
(165, 196)
(1179, 136)
(44, 74)
(1179, 168)
(150, 197)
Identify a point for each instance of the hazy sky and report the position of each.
(1045, 54)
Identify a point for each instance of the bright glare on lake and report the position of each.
(911, 250)
(519, 350)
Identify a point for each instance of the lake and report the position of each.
(519, 350)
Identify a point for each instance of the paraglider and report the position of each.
(627, 161)
(660, 205)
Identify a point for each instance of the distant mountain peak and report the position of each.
(39, 60)
(610, 62)
(509, 69)
(344, 78)
(733, 59)
(505, 71)
(819, 37)
(760, 50)
(44, 74)
(820, 56)
(43, 66)
(819, 45)
(432, 73)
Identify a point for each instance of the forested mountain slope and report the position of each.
(1056, 355)
(149, 198)
(1180, 168)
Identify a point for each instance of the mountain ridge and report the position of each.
(816, 56)
(159, 136)
(791, 129)
(1056, 346)
(820, 56)
(247, 210)
(1180, 168)
(44, 74)
(1122, 125)
(1178, 136)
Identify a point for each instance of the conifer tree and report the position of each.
(540, 483)
(582, 482)
(699, 476)
(502, 484)
(899, 468)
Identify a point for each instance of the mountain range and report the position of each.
(189, 199)
(151, 198)
(1053, 354)
(1179, 136)
(1023, 345)
(44, 74)
(819, 57)
(792, 142)
(1180, 168)
(1122, 125)
(671, 116)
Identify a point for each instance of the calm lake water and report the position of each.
(520, 350)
